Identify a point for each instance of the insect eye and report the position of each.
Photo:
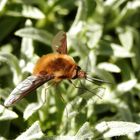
(78, 68)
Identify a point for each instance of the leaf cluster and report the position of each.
(103, 38)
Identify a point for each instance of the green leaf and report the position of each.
(34, 132)
(30, 109)
(6, 114)
(97, 92)
(114, 50)
(2, 4)
(7, 25)
(2, 138)
(20, 10)
(133, 5)
(94, 33)
(126, 37)
(80, 15)
(59, 138)
(126, 70)
(117, 128)
(118, 51)
(109, 67)
(27, 48)
(126, 86)
(36, 34)
(12, 61)
(104, 75)
(84, 132)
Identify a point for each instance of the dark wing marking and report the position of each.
(59, 43)
(25, 87)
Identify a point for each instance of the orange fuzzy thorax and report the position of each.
(61, 66)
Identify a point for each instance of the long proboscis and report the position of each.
(95, 80)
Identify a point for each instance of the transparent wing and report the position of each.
(59, 43)
(25, 87)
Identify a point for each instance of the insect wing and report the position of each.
(25, 87)
(59, 43)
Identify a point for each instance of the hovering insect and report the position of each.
(54, 66)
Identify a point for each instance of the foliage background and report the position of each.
(103, 38)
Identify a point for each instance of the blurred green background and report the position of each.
(104, 39)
